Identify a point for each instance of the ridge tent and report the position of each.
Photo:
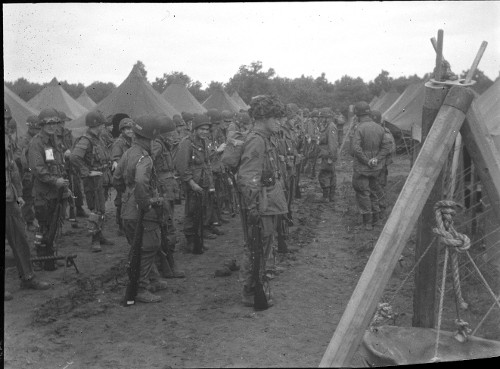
(374, 100)
(221, 101)
(134, 97)
(238, 100)
(85, 100)
(384, 102)
(181, 99)
(54, 96)
(19, 109)
(489, 106)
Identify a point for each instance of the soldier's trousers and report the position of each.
(28, 210)
(192, 209)
(77, 190)
(118, 204)
(168, 208)
(368, 191)
(268, 236)
(16, 236)
(151, 243)
(382, 181)
(327, 176)
(44, 213)
(96, 201)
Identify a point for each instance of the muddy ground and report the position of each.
(79, 322)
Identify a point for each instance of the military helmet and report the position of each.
(214, 115)
(376, 116)
(315, 113)
(178, 121)
(12, 124)
(201, 120)
(126, 123)
(361, 108)
(6, 112)
(146, 126)
(227, 115)
(63, 116)
(186, 116)
(48, 115)
(32, 121)
(94, 119)
(166, 124)
(292, 108)
(243, 118)
(266, 106)
(325, 112)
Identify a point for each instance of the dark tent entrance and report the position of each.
(116, 123)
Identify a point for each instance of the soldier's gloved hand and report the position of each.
(253, 216)
(113, 167)
(373, 162)
(95, 173)
(195, 187)
(20, 202)
(61, 182)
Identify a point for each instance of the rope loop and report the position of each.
(444, 212)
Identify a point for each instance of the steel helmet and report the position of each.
(227, 115)
(165, 124)
(361, 108)
(376, 116)
(214, 115)
(266, 106)
(146, 126)
(186, 116)
(48, 115)
(201, 120)
(126, 123)
(94, 119)
(178, 121)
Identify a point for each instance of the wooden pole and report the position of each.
(439, 56)
(424, 293)
(454, 166)
(397, 230)
(476, 61)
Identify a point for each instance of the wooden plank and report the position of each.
(397, 230)
(426, 273)
(486, 158)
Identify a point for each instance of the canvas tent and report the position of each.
(489, 106)
(384, 102)
(85, 100)
(19, 109)
(374, 100)
(238, 100)
(405, 114)
(134, 97)
(54, 96)
(221, 101)
(182, 100)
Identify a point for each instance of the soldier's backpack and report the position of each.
(231, 156)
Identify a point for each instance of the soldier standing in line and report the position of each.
(27, 176)
(328, 145)
(46, 161)
(339, 121)
(91, 157)
(259, 179)
(193, 164)
(238, 129)
(134, 176)
(384, 173)
(121, 144)
(168, 188)
(181, 125)
(312, 136)
(370, 148)
(15, 231)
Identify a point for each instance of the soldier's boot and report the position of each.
(326, 194)
(176, 272)
(197, 246)
(375, 219)
(96, 245)
(104, 241)
(189, 245)
(143, 295)
(367, 222)
(34, 284)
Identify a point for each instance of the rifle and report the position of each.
(53, 229)
(71, 200)
(198, 220)
(69, 259)
(235, 206)
(291, 193)
(134, 268)
(165, 249)
(260, 298)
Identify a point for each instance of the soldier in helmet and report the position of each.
(15, 231)
(339, 121)
(27, 176)
(188, 120)
(370, 148)
(239, 128)
(134, 176)
(328, 144)
(181, 125)
(168, 188)
(227, 118)
(193, 164)
(312, 136)
(121, 144)
(91, 157)
(259, 179)
(46, 161)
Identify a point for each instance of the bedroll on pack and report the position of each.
(232, 154)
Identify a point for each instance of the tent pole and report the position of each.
(397, 230)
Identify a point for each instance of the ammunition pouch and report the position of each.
(268, 178)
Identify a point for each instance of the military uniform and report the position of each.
(220, 196)
(134, 177)
(192, 163)
(90, 154)
(27, 179)
(368, 143)
(339, 121)
(120, 146)
(328, 144)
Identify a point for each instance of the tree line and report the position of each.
(251, 80)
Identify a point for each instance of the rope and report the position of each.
(457, 242)
(440, 313)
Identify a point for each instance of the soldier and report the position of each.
(134, 177)
(312, 137)
(121, 144)
(91, 157)
(238, 129)
(15, 231)
(195, 171)
(46, 161)
(259, 179)
(27, 177)
(384, 173)
(370, 147)
(167, 185)
(328, 144)
(339, 121)
(181, 125)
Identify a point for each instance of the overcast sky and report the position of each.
(84, 43)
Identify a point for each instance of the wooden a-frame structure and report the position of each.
(449, 109)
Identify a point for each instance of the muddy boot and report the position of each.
(34, 284)
(143, 295)
(375, 219)
(189, 245)
(197, 246)
(176, 273)
(326, 194)
(367, 222)
(96, 245)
